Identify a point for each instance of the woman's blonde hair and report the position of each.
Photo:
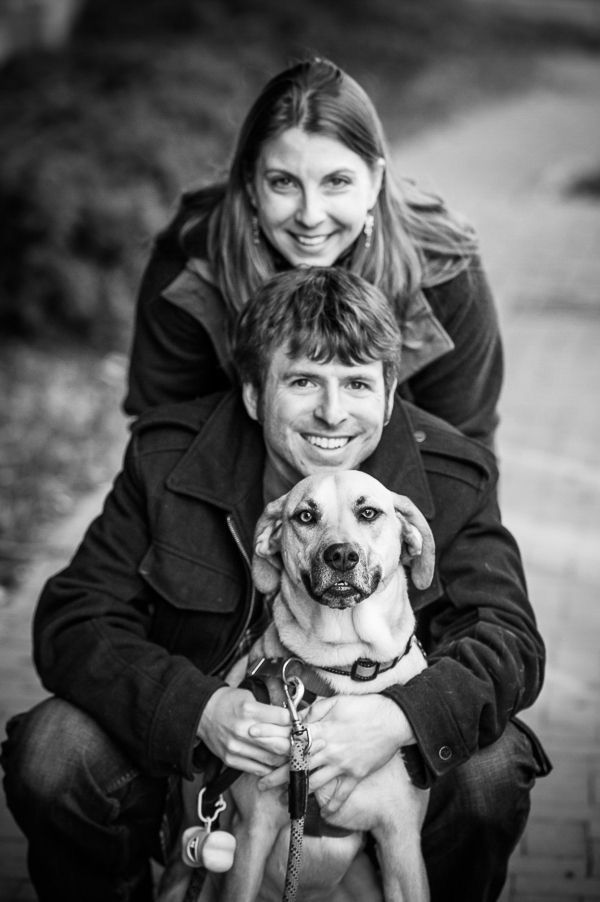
(416, 240)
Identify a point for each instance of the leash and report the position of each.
(293, 688)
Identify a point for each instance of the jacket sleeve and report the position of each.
(91, 644)
(463, 386)
(172, 358)
(485, 655)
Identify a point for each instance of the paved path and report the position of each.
(505, 167)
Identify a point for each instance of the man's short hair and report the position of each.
(323, 313)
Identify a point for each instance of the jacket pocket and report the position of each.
(189, 585)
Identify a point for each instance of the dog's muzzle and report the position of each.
(339, 577)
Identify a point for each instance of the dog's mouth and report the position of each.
(338, 593)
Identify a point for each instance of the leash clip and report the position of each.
(293, 689)
(205, 819)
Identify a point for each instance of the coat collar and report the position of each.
(396, 462)
(225, 464)
(424, 339)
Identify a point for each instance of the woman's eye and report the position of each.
(281, 183)
(337, 181)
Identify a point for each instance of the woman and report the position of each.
(310, 184)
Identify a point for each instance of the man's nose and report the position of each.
(330, 408)
(310, 209)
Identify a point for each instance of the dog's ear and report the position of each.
(266, 560)
(418, 546)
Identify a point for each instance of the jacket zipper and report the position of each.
(229, 655)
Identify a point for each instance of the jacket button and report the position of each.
(445, 753)
(420, 436)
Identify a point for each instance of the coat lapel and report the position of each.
(224, 466)
(396, 462)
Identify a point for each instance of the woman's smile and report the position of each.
(312, 195)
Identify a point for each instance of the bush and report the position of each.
(96, 144)
(98, 141)
(61, 434)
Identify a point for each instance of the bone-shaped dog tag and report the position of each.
(213, 851)
(201, 848)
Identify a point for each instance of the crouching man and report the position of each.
(134, 637)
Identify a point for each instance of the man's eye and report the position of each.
(369, 513)
(305, 517)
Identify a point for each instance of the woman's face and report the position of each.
(312, 194)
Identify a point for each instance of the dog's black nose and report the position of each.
(341, 556)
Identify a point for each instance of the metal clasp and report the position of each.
(206, 820)
(293, 689)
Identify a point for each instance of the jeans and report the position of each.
(93, 819)
(476, 816)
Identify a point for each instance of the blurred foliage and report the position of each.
(61, 434)
(98, 140)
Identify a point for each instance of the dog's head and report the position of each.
(342, 535)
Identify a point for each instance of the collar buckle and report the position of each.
(363, 670)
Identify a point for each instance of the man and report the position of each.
(135, 635)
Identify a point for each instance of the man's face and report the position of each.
(319, 416)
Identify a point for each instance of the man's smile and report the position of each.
(328, 443)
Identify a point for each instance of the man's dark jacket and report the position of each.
(137, 627)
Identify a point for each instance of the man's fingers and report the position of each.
(319, 709)
(268, 714)
(269, 731)
(278, 777)
(321, 777)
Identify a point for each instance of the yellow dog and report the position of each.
(332, 553)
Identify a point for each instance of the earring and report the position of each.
(368, 228)
(255, 230)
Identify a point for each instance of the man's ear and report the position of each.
(418, 546)
(389, 402)
(250, 399)
(266, 560)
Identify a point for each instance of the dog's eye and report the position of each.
(368, 513)
(305, 517)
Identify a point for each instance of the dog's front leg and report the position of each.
(257, 820)
(397, 831)
(388, 805)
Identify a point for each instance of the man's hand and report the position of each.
(225, 728)
(353, 735)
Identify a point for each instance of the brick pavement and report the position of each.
(506, 167)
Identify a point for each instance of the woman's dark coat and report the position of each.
(451, 362)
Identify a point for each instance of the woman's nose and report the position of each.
(310, 209)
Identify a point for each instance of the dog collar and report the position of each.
(364, 669)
